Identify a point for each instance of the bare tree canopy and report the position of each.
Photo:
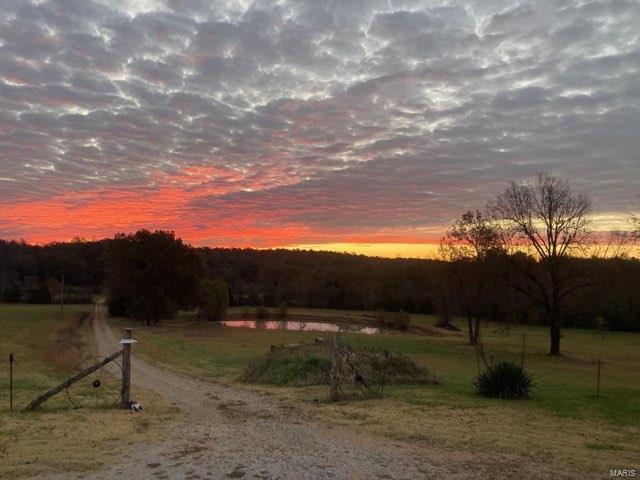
(547, 215)
(554, 221)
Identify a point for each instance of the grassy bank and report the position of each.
(58, 438)
(564, 423)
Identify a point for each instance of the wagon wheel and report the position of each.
(98, 389)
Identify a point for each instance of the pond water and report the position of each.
(299, 326)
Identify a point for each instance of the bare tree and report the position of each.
(466, 247)
(553, 222)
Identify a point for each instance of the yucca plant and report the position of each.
(504, 380)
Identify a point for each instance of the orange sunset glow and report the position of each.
(247, 126)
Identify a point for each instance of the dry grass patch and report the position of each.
(78, 440)
(58, 438)
(579, 448)
(564, 427)
(65, 351)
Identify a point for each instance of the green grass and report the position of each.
(288, 368)
(563, 427)
(564, 386)
(29, 332)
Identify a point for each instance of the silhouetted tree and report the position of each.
(151, 275)
(553, 222)
(336, 280)
(468, 246)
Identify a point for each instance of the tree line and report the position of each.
(527, 257)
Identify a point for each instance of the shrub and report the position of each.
(283, 310)
(444, 321)
(284, 367)
(401, 320)
(262, 312)
(309, 364)
(504, 380)
(382, 367)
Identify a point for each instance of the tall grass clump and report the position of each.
(64, 353)
(287, 367)
(309, 364)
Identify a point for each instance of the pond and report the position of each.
(299, 326)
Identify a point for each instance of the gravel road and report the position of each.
(234, 433)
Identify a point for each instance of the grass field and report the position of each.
(57, 438)
(563, 423)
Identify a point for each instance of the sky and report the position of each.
(361, 125)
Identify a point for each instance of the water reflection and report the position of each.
(300, 326)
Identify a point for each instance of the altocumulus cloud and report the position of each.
(276, 122)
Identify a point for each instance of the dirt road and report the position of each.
(230, 432)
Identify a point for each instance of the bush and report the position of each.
(504, 380)
(283, 310)
(382, 367)
(262, 312)
(309, 364)
(284, 367)
(444, 321)
(401, 320)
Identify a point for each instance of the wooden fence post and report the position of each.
(11, 382)
(598, 382)
(335, 369)
(127, 341)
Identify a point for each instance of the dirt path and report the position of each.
(230, 432)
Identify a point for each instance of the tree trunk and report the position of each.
(472, 335)
(554, 330)
(476, 331)
(554, 323)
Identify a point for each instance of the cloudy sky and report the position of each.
(272, 123)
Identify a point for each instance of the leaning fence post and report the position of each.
(126, 342)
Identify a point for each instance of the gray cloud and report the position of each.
(366, 114)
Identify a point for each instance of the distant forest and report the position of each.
(34, 274)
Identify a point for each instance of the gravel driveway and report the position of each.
(229, 432)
